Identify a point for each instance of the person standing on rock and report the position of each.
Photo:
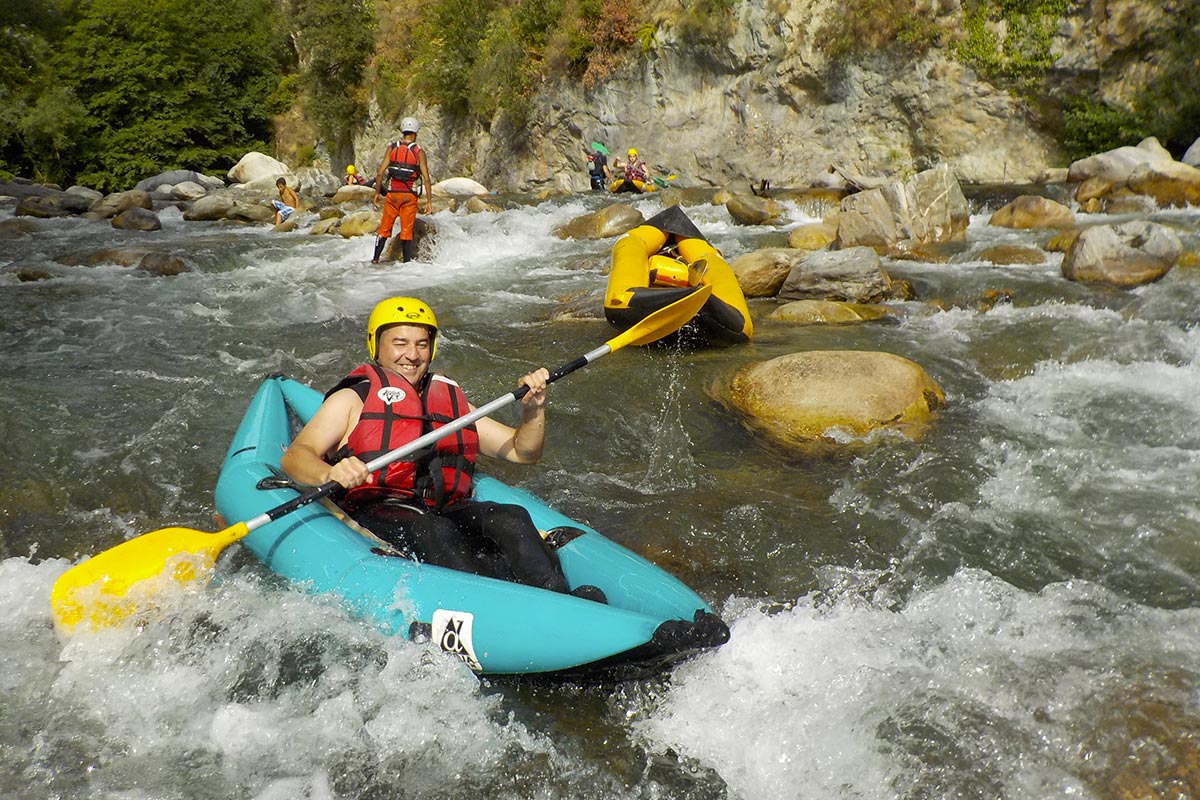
(400, 179)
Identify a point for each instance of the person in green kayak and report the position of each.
(423, 506)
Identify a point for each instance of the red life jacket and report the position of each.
(393, 414)
(404, 167)
(635, 171)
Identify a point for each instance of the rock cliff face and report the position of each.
(769, 104)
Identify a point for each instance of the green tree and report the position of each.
(169, 84)
(334, 41)
(38, 118)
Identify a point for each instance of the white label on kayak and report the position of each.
(391, 394)
(452, 632)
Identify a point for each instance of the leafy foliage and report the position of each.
(335, 40)
(706, 22)
(165, 84)
(1009, 40)
(904, 27)
(448, 42)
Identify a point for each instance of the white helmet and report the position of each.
(409, 125)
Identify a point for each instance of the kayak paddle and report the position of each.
(599, 148)
(104, 589)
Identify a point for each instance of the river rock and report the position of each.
(1006, 254)
(1126, 254)
(813, 235)
(42, 206)
(360, 223)
(163, 264)
(806, 397)
(1033, 211)
(613, 220)
(749, 210)
(1116, 165)
(927, 208)
(137, 219)
(210, 207)
(459, 186)
(1170, 183)
(113, 204)
(255, 166)
(424, 237)
(760, 273)
(477, 205)
(829, 312)
(354, 193)
(326, 225)
(315, 181)
(89, 195)
(855, 275)
(251, 212)
(121, 256)
(175, 177)
(15, 228)
(1192, 156)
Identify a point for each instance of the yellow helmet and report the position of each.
(349, 169)
(400, 311)
(632, 152)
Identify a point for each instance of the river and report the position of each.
(1005, 608)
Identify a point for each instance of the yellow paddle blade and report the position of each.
(665, 321)
(111, 586)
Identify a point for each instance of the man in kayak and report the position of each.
(423, 506)
(403, 175)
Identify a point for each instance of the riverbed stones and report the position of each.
(834, 395)
(813, 235)
(1126, 254)
(461, 187)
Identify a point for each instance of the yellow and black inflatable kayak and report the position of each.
(662, 260)
(626, 185)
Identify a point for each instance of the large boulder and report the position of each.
(750, 210)
(928, 208)
(836, 395)
(354, 194)
(1192, 156)
(855, 275)
(360, 223)
(613, 220)
(1127, 254)
(760, 273)
(459, 186)
(254, 166)
(1170, 183)
(210, 207)
(1115, 166)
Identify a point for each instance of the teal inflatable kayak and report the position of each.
(651, 619)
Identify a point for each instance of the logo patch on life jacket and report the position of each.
(452, 632)
(391, 394)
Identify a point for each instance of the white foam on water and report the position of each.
(973, 688)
